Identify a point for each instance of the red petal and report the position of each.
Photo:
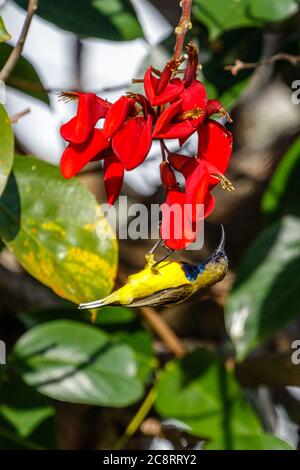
(167, 176)
(176, 228)
(194, 97)
(214, 106)
(170, 92)
(215, 144)
(117, 115)
(177, 161)
(113, 178)
(166, 129)
(90, 109)
(76, 156)
(196, 183)
(132, 142)
(150, 84)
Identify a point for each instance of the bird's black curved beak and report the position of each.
(221, 247)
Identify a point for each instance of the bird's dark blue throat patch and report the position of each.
(192, 271)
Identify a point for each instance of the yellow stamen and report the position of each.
(67, 96)
(225, 114)
(191, 114)
(225, 183)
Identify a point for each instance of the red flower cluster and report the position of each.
(173, 108)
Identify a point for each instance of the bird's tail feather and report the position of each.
(95, 304)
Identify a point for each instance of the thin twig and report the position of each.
(138, 418)
(160, 327)
(17, 50)
(240, 65)
(13, 119)
(183, 27)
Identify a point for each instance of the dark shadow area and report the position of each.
(10, 210)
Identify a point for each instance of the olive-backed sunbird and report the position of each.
(167, 282)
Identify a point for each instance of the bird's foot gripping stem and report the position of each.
(151, 263)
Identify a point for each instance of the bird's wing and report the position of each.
(173, 295)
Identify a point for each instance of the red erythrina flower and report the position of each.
(173, 108)
(215, 144)
(203, 173)
(163, 89)
(117, 115)
(113, 177)
(183, 116)
(176, 229)
(90, 109)
(216, 107)
(76, 156)
(133, 141)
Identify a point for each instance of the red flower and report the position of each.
(117, 115)
(216, 107)
(132, 142)
(113, 177)
(183, 116)
(163, 89)
(203, 173)
(177, 228)
(90, 109)
(215, 144)
(76, 156)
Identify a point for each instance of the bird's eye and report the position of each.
(217, 259)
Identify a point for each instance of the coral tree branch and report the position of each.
(17, 50)
(183, 27)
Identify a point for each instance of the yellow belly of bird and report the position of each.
(147, 281)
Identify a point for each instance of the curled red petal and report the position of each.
(177, 161)
(90, 109)
(215, 144)
(170, 93)
(150, 84)
(167, 175)
(132, 142)
(76, 156)
(117, 115)
(113, 178)
(216, 107)
(194, 96)
(176, 228)
(166, 126)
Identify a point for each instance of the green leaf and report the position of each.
(199, 392)
(23, 77)
(114, 19)
(141, 343)
(223, 15)
(23, 407)
(282, 194)
(265, 296)
(53, 227)
(121, 323)
(6, 148)
(262, 442)
(273, 10)
(4, 35)
(76, 363)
